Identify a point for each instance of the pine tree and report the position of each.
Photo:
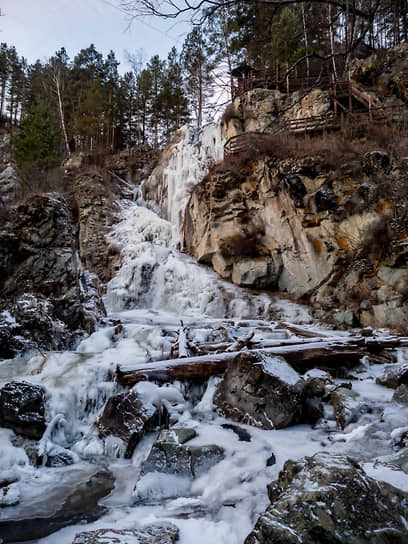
(198, 68)
(38, 142)
(156, 68)
(174, 103)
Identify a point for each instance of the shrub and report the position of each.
(376, 238)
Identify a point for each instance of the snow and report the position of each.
(389, 474)
(8, 318)
(277, 366)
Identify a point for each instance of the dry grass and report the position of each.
(335, 149)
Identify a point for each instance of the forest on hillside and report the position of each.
(84, 103)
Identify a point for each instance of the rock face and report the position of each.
(260, 110)
(96, 214)
(261, 390)
(128, 418)
(336, 238)
(330, 499)
(48, 298)
(22, 408)
(153, 534)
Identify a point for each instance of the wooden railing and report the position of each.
(266, 79)
(395, 116)
(244, 142)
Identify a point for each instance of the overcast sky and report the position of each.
(38, 28)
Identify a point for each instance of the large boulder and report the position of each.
(261, 390)
(172, 465)
(152, 534)
(127, 417)
(72, 498)
(394, 377)
(330, 499)
(171, 455)
(22, 408)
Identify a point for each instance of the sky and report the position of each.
(38, 28)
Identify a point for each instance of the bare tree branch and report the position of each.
(170, 9)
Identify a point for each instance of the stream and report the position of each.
(84, 482)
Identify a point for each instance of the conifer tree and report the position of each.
(198, 67)
(37, 144)
(174, 103)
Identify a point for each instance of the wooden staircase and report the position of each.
(347, 96)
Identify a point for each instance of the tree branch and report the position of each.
(170, 9)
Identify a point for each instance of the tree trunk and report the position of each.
(228, 51)
(332, 42)
(61, 112)
(306, 40)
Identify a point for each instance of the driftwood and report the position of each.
(302, 355)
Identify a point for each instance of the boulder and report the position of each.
(73, 498)
(170, 455)
(127, 417)
(348, 408)
(394, 377)
(259, 273)
(152, 534)
(22, 408)
(330, 499)
(401, 394)
(375, 161)
(261, 390)
(317, 383)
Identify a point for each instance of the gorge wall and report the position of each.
(336, 239)
(54, 257)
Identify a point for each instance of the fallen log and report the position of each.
(302, 356)
(220, 347)
(305, 332)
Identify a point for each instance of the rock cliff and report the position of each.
(335, 237)
(48, 298)
(55, 259)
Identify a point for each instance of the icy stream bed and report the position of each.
(155, 289)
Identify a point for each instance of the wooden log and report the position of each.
(304, 332)
(324, 353)
(220, 347)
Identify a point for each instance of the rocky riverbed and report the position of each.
(262, 453)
